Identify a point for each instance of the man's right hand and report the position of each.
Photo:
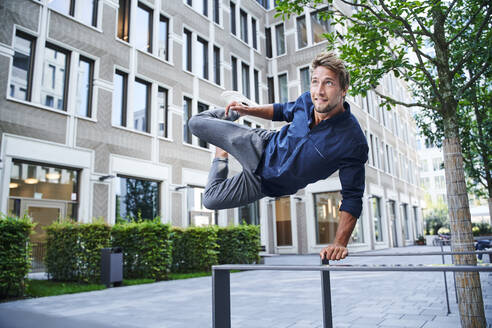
(239, 107)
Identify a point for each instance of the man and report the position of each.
(322, 137)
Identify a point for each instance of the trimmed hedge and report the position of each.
(74, 250)
(194, 249)
(146, 247)
(15, 254)
(239, 244)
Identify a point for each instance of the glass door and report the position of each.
(283, 221)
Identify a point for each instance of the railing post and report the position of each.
(221, 299)
(326, 295)
(445, 282)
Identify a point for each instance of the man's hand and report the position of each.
(239, 107)
(334, 252)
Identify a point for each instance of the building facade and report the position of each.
(94, 102)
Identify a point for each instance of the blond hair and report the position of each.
(335, 64)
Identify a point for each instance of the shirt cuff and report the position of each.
(353, 206)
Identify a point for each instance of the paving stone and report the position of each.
(403, 323)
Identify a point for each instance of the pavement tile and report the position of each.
(416, 323)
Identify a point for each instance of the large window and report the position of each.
(66, 7)
(282, 88)
(162, 114)
(319, 26)
(377, 219)
(250, 214)
(187, 60)
(187, 113)
(234, 73)
(217, 65)
(84, 87)
(305, 79)
(203, 57)
(141, 105)
(283, 221)
(136, 199)
(144, 28)
(245, 79)
(244, 25)
(87, 12)
(280, 37)
(54, 80)
(233, 18)
(124, 10)
(119, 98)
(21, 74)
(302, 40)
(327, 215)
(255, 34)
(163, 50)
(217, 11)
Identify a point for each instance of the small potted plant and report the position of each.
(420, 240)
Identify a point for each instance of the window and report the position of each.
(201, 108)
(250, 214)
(203, 57)
(440, 182)
(376, 215)
(244, 25)
(302, 40)
(437, 164)
(136, 198)
(264, 3)
(253, 30)
(21, 74)
(217, 11)
(283, 221)
(357, 236)
(217, 65)
(389, 159)
(305, 79)
(124, 20)
(187, 62)
(55, 88)
(84, 87)
(405, 226)
(245, 80)
(144, 28)
(162, 112)
(319, 26)
(271, 90)
(234, 74)
(163, 47)
(199, 216)
(141, 105)
(187, 113)
(63, 6)
(327, 215)
(268, 41)
(88, 12)
(233, 18)
(49, 101)
(280, 36)
(257, 86)
(119, 98)
(282, 88)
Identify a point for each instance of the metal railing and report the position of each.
(38, 255)
(221, 294)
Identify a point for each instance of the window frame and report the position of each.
(277, 28)
(166, 111)
(243, 26)
(148, 110)
(232, 21)
(189, 51)
(68, 54)
(124, 96)
(91, 83)
(205, 69)
(168, 22)
(33, 39)
(126, 18)
(150, 27)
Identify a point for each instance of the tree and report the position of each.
(430, 44)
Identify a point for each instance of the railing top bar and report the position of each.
(421, 268)
(419, 254)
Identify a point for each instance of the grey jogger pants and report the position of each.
(245, 144)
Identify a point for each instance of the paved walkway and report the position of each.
(262, 299)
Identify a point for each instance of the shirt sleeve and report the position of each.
(352, 177)
(285, 111)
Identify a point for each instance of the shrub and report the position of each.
(194, 249)
(147, 249)
(482, 228)
(14, 254)
(239, 244)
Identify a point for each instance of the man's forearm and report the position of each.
(261, 111)
(345, 227)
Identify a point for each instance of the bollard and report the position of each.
(326, 295)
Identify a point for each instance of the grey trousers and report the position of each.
(245, 144)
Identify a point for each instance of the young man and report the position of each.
(322, 137)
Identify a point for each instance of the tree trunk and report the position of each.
(468, 287)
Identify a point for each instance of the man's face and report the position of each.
(326, 92)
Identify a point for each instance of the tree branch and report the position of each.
(472, 80)
(472, 19)
(392, 100)
(450, 8)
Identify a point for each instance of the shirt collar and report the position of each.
(337, 118)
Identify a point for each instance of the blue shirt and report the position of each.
(297, 155)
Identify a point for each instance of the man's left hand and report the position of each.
(334, 252)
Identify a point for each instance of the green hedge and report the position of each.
(194, 249)
(74, 250)
(239, 244)
(15, 254)
(147, 249)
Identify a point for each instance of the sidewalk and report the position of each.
(263, 299)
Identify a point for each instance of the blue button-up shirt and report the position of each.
(297, 155)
